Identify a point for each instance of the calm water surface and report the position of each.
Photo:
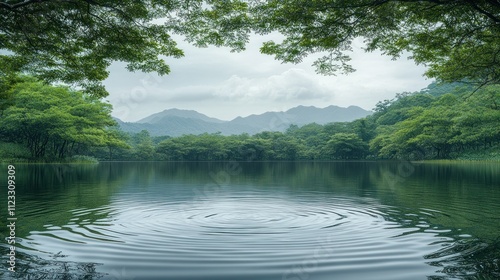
(329, 220)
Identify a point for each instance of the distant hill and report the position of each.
(301, 115)
(188, 114)
(176, 126)
(176, 122)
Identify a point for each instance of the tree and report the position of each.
(55, 122)
(364, 128)
(346, 146)
(383, 145)
(398, 108)
(6, 84)
(116, 140)
(477, 124)
(144, 148)
(75, 41)
(434, 127)
(171, 149)
(439, 127)
(457, 39)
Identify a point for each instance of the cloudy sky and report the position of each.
(224, 85)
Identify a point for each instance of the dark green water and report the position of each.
(335, 220)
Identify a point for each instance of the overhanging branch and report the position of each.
(20, 4)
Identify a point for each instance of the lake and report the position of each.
(255, 220)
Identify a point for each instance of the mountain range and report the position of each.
(176, 122)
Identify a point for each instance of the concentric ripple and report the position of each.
(242, 235)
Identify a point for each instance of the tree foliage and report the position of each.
(55, 122)
(75, 41)
(457, 39)
(346, 146)
(422, 125)
(441, 127)
(309, 142)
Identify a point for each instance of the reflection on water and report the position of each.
(473, 259)
(33, 267)
(346, 220)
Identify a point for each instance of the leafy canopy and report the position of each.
(457, 39)
(423, 125)
(55, 122)
(75, 41)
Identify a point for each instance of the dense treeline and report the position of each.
(457, 40)
(442, 121)
(39, 121)
(310, 142)
(424, 126)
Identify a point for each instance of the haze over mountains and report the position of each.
(176, 122)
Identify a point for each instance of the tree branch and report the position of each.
(20, 4)
(493, 17)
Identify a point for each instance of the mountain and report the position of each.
(188, 114)
(176, 126)
(302, 115)
(176, 122)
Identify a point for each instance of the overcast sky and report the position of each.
(225, 85)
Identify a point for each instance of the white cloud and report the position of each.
(225, 85)
(293, 84)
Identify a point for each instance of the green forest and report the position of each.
(46, 123)
(45, 44)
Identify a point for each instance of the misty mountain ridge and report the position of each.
(176, 122)
(189, 114)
